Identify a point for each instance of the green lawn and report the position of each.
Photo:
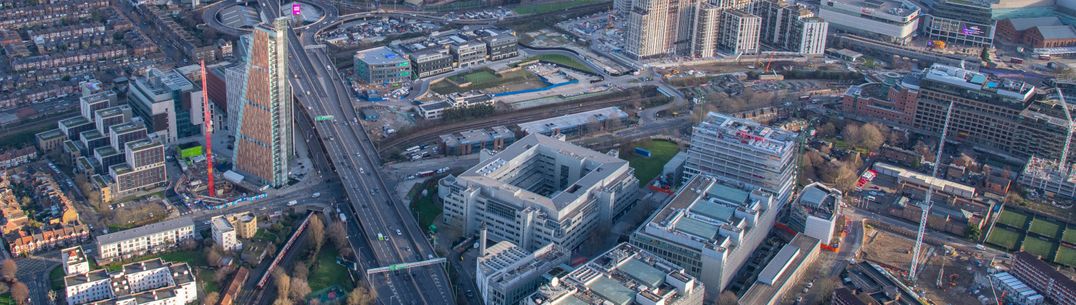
(1069, 236)
(193, 258)
(1039, 247)
(478, 77)
(648, 168)
(1044, 227)
(327, 272)
(205, 279)
(485, 79)
(1003, 238)
(1013, 219)
(6, 299)
(56, 278)
(1066, 256)
(562, 60)
(425, 208)
(546, 7)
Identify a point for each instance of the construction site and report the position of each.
(946, 275)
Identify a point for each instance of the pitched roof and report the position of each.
(1021, 24)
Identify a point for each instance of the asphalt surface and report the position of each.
(390, 233)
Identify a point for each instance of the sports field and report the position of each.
(1003, 238)
(1066, 256)
(1012, 219)
(1044, 227)
(1039, 247)
(1069, 236)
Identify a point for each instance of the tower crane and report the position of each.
(927, 202)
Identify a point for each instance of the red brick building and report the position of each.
(1055, 286)
(1037, 32)
(890, 103)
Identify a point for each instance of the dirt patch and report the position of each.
(961, 274)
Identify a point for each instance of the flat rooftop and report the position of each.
(967, 79)
(890, 7)
(515, 170)
(736, 130)
(819, 200)
(547, 126)
(511, 262)
(704, 208)
(619, 277)
(84, 278)
(157, 227)
(379, 56)
(142, 266)
(780, 269)
(125, 127)
(140, 144)
(113, 111)
(477, 136)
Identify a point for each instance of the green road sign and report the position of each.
(323, 118)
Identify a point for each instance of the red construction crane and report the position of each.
(207, 122)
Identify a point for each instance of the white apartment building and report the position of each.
(623, 275)
(506, 274)
(88, 287)
(744, 151)
(538, 191)
(739, 33)
(704, 40)
(224, 234)
(149, 282)
(74, 260)
(710, 228)
(1048, 179)
(146, 239)
(893, 21)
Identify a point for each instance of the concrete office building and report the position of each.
(467, 52)
(996, 114)
(163, 100)
(710, 228)
(473, 141)
(224, 234)
(432, 61)
(743, 151)
(893, 21)
(739, 33)
(658, 28)
(1048, 179)
(151, 238)
(145, 168)
(263, 142)
(499, 44)
(960, 22)
(506, 274)
(382, 66)
(623, 275)
(816, 210)
(537, 191)
(149, 282)
(578, 124)
(1055, 286)
(783, 272)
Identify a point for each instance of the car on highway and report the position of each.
(380, 236)
(293, 202)
(398, 232)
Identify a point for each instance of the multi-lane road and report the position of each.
(389, 233)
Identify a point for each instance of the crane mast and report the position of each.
(207, 128)
(927, 202)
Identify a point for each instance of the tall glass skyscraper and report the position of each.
(263, 142)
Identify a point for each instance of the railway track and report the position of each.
(511, 118)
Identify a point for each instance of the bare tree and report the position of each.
(298, 289)
(20, 293)
(871, 137)
(211, 298)
(316, 229)
(213, 256)
(8, 269)
(282, 282)
(727, 298)
(301, 271)
(361, 296)
(338, 235)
